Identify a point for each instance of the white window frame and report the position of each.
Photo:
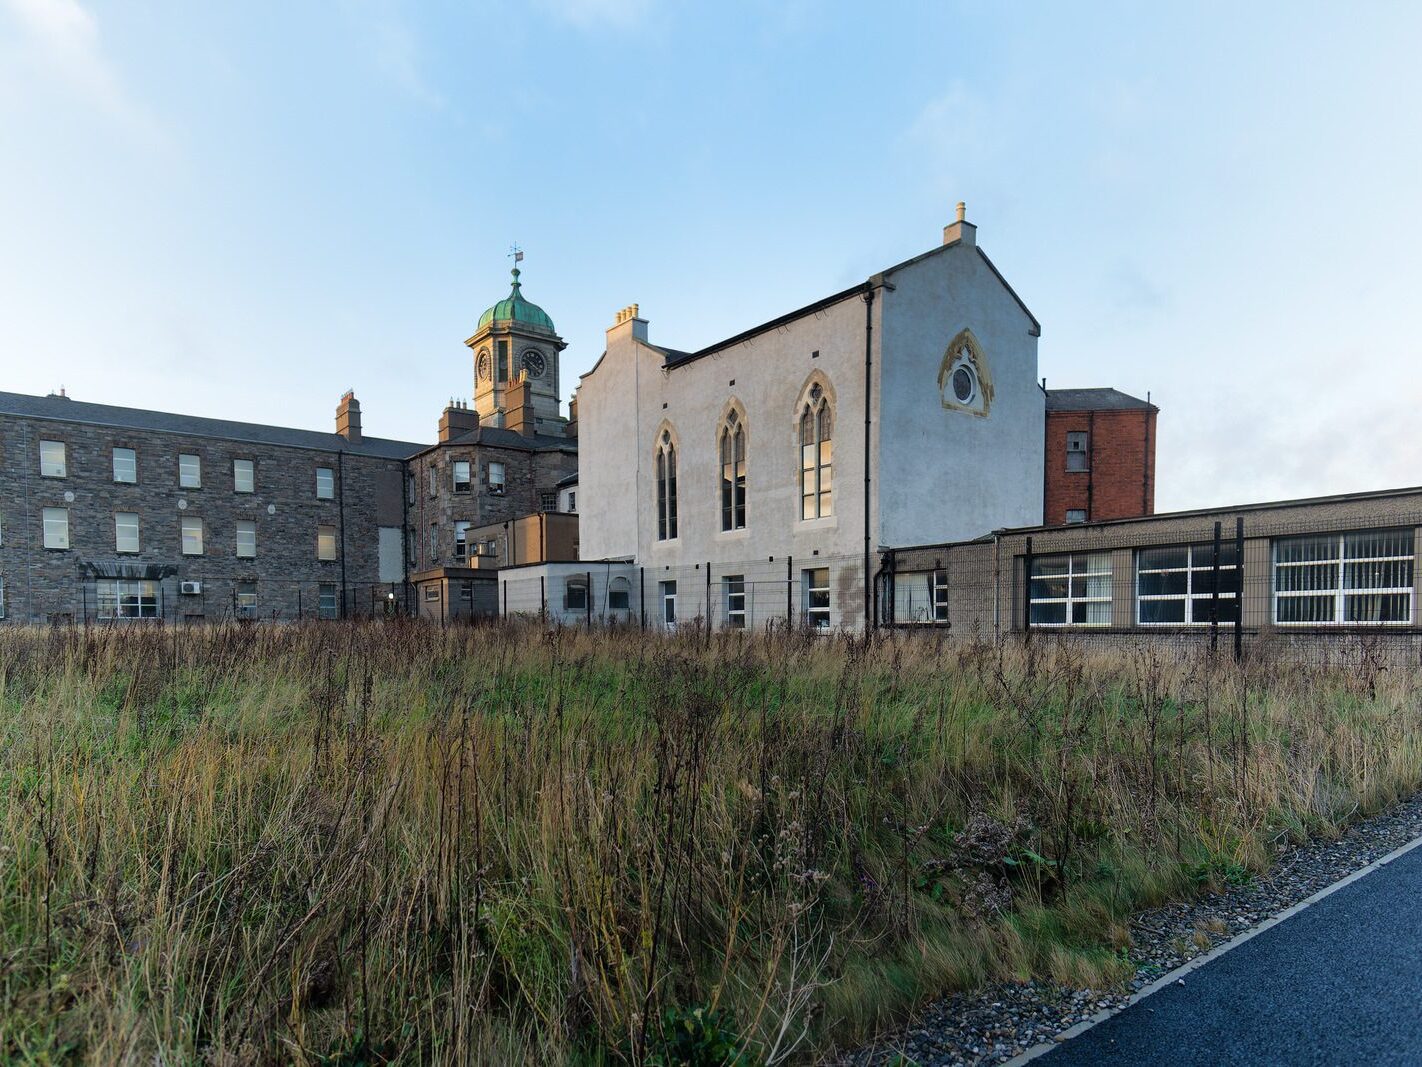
(816, 602)
(667, 591)
(732, 445)
(325, 483)
(192, 535)
(56, 528)
(619, 589)
(1080, 514)
(665, 477)
(189, 470)
(244, 476)
(816, 431)
(54, 459)
(246, 538)
(121, 598)
(125, 463)
(460, 476)
(461, 539)
(1081, 438)
(1083, 566)
(244, 600)
(497, 478)
(733, 596)
(328, 604)
(576, 583)
(326, 550)
(124, 540)
(1195, 603)
(1339, 591)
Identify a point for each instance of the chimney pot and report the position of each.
(962, 211)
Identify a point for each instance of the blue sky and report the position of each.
(241, 211)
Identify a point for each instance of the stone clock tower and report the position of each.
(515, 342)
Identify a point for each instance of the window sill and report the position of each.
(828, 522)
(732, 535)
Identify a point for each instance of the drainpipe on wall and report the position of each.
(869, 620)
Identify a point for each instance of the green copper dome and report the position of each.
(514, 308)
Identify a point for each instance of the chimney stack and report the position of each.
(629, 319)
(458, 419)
(961, 230)
(348, 417)
(518, 407)
(570, 428)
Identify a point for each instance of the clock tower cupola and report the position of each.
(516, 342)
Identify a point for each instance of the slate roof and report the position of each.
(567, 480)
(64, 409)
(502, 437)
(1095, 400)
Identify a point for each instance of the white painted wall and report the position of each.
(949, 475)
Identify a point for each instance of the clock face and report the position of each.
(534, 363)
(483, 366)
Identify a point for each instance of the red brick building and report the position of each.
(1100, 456)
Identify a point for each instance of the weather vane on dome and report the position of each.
(517, 253)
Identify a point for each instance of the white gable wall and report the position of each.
(947, 475)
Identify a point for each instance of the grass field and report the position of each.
(392, 843)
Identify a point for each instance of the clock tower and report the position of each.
(515, 341)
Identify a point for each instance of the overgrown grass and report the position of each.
(357, 844)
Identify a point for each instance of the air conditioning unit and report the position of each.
(190, 588)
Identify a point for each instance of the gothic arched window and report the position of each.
(733, 473)
(666, 487)
(816, 451)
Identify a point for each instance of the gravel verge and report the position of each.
(994, 1024)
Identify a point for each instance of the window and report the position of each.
(496, 479)
(668, 593)
(817, 597)
(52, 460)
(572, 502)
(433, 480)
(192, 535)
(125, 465)
(244, 476)
(503, 350)
(1076, 515)
(575, 593)
(733, 474)
(432, 591)
(461, 540)
(666, 488)
(126, 531)
(548, 500)
(119, 599)
(1076, 452)
(460, 475)
(190, 471)
(1361, 578)
(56, 527)
(2, 598)
(619, 594)
(326, 484)
(433, 545)
(965, 384)
(410, 488)
(1176, 585)
(246, 540)
(325, 542)
(327, 606)
(816, 424)
(921, 597)
(244, 600)
(733, 588)
(1071, 590)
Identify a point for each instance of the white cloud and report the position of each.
(61, 40)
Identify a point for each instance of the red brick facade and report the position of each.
(1119, 479)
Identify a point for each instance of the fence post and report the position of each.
(708, 602)
(1239, 615)
(1027, 591)
(505, 584)
(789, 591)
(543, 598)
(589, 600)
(642, 594)
(1215, 596)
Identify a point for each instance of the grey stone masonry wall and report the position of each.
(528, 473)
(44, 584)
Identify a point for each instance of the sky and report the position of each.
(243, 210)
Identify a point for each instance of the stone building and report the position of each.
(116, 513)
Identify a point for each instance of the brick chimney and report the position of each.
(518, 407)
(457, 420)
(348, 417)
(961, 230)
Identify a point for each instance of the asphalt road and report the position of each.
(1338, 983)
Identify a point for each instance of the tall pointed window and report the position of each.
(666, 487)
(816, 448)
(733, 473)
